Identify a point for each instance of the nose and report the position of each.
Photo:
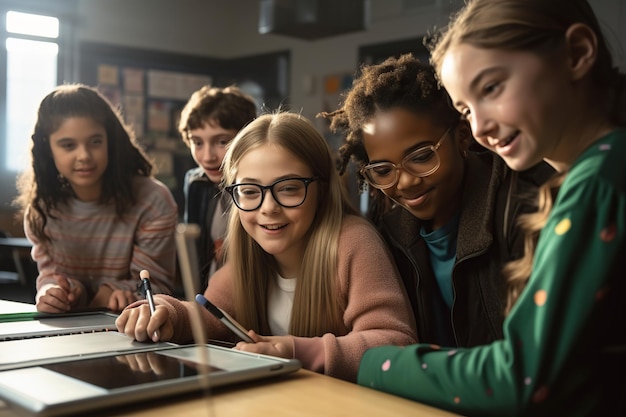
(406, 180)
(269, 204)
(209, 153)
(84, 154)
(482, 127)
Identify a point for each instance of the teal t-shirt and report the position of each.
(442, 250)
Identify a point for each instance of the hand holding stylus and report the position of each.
(146, 321)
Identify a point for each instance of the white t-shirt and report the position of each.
(218, 231)
(280, 303)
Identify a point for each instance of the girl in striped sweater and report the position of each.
(91, 208)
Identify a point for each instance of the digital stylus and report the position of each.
(222, 316)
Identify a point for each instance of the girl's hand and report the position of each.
(119, 299)
(113, 299)
(138, 323)
(280, 346)
(59, 297)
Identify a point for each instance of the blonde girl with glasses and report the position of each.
(302, 269)
(451, 226)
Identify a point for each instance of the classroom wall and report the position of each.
(229, 29)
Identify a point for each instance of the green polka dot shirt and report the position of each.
(563, 351)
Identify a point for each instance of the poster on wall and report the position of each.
(133, 80)
(158, 116)
(108, 75)
(174, 85)
(134, 114)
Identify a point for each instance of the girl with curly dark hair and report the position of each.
(451, 222)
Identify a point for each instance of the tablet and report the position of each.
(84, 385)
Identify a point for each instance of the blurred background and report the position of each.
(147, 56)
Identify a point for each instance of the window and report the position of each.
(35, 56)
(31, 73)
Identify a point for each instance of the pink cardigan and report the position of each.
(377, 309)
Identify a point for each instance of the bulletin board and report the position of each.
(151, 88)
(145, 84)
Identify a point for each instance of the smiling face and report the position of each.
(517, 103)
(79, 148)
(393, 134)
(278, 230)
(208, 147)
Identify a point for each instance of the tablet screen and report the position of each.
(126, 370)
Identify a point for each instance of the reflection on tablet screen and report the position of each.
(128, 369)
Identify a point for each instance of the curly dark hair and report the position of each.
(40, 190)
(402, 82)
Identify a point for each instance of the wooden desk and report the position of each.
(304, 393)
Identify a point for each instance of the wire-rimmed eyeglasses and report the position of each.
(287, 192)
(421, 163)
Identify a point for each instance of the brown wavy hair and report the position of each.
(40, 190)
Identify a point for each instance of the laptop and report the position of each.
(97, 380)
(28, 325)
(43, 350)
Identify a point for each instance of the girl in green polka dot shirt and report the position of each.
(535, 80)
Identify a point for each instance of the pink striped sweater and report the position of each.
(90, 244)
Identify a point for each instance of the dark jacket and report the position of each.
(201, 197)
(493, 196)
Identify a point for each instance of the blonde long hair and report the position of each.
(316, 306)
(537, 26)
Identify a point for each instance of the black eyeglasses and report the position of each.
(288, 192)
(421, 162)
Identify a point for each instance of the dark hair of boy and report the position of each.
(230, 107)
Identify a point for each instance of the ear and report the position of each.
(464, 138)
(581, 48)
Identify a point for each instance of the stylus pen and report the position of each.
(222, 316)
(145, 282)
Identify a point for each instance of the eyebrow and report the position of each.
(282, 177)
(213, 137)
(69, 138)
(477, 79)
(406, 152)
